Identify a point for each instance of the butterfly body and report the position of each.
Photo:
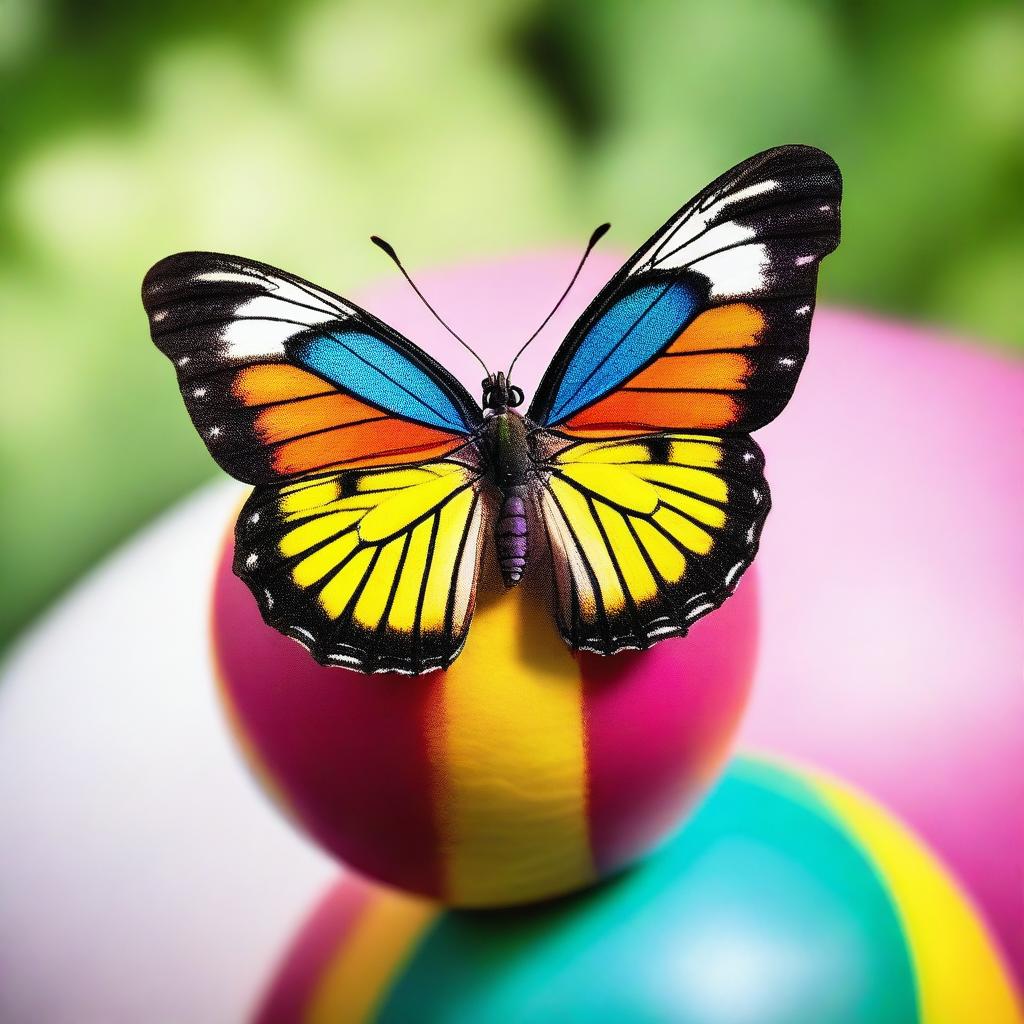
(378, 477)
(506, 447)
(511, 466)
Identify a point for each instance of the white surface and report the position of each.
(143, 876)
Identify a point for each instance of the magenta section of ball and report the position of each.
(344, 754)
(659, 723)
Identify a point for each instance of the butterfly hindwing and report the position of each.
(283, 378)
(648, 533)
(369, 569)
(706, 326)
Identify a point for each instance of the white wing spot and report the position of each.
(345, 659)
(803, 310)
(213, 432)
(225, 277)
(254, 518)
(733, 573)
(787, 361)
(750, 192)
(661, 631)
(252, 559)
(801, 261)
(199, 393)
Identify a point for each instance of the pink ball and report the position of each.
(523, 771)
(892, 591)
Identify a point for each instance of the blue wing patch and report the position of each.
(629, 334)
(377, 372)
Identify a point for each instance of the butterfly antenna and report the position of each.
(599, 233)
(389, 250)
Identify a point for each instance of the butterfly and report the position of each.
(379, 479)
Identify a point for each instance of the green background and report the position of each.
(289, 132)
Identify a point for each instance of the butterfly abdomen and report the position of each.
(512, 534)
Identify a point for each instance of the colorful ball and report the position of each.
(520, 773)
(788, 899)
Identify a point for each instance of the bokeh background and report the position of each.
(289, 132)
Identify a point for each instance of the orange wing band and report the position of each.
(268, 383)
(694, 385)
(309, 425)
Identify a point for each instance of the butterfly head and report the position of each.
(499, 394)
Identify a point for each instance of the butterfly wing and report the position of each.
(706, 326)
(649, 533)
(282, 378)
(369, 569)
(656, 507)
(362, 538)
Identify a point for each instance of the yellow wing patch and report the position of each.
(648, 534)
(371, 569)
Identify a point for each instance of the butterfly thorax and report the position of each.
(506, 442)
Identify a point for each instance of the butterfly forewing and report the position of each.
(283, 378)
(706, 326)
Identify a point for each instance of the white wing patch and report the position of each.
(760, 188)
(262, 323)
(714, 239)
(735, 273)
(702, 230)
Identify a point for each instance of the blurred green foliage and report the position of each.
(289, 132)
